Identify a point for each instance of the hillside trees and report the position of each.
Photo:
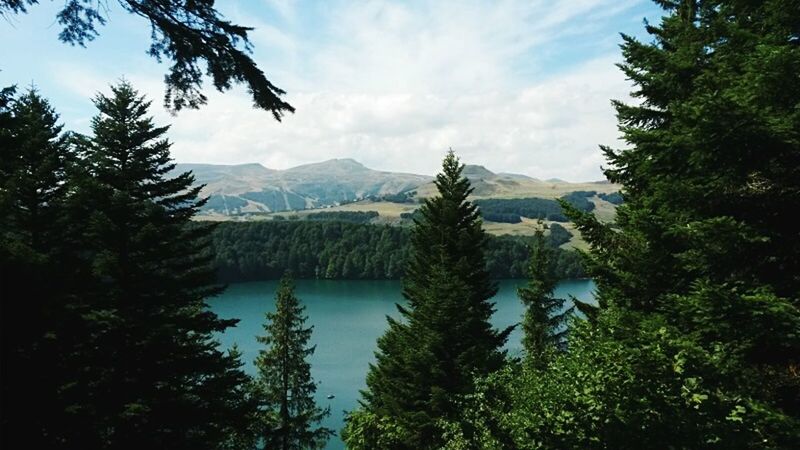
(263, 250)
(191, 34)
(444, 340)
(284, 385)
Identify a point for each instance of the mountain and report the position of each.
(254, 188)
(474, 172)
(244, 188)
(487, 184)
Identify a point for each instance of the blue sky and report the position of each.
(517, 86)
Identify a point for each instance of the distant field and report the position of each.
(389, 213)
(504, 188)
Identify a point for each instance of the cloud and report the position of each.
(396, 84)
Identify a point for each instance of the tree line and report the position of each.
(510, 210)
(263, 250)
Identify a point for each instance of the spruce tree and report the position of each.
(444, 340)
(544, 323)
(284, 385)
(36, 269)
(153, 374)
(706, 239)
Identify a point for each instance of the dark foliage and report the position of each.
(284, 387)
(112, 345)
(444, 340)
(544, 324)
(343, 216)
(695, 343)
(249, 251)
(613, 198)
(37, 271)
(402, 197)
(533, 208)
(500, 217)
(580, 200)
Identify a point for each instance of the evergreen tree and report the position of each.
(696, 342)
(284, 384)
(544, 322)
(445, 340)
(152, 376)
(36, 268)
(711, 181)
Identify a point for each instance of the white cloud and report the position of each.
(394, 85)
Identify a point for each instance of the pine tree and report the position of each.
(445, 340)
(35, 267)
(284, 384)
(153, 375)
(544, 322)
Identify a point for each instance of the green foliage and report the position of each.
(696, 341)
(401, 197)
(284, 385)
(580, 200)
(344, 216)
(613, 198)
(558, 235)
(501, 217)
(533, 208)
(428, 359)
(148, 372)
(710, 183)
(629, 381)
(365, 430)
(112, 345)
(247, 251)
(191, 34)
(544, 322)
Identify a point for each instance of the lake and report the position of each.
(348, 317)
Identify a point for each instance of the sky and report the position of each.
(520, 86)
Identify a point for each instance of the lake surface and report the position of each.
(348, 317)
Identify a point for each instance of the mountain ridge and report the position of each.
(254, 188)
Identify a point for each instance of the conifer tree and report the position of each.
(695, 343)
(706, 238)
(445, 340)
(544, 322)
(153, 374)
(284, 385)
(35, 268)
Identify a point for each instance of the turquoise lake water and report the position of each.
(348, 317)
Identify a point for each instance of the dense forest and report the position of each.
(340, 249)
(510, 210)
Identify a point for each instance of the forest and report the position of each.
(692, 342)
(341, 249)
(510, 210)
